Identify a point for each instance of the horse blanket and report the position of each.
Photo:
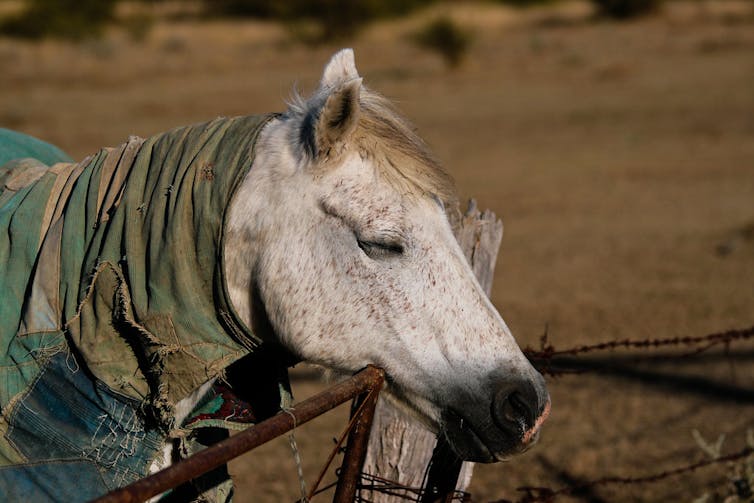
(15, 145)
(113, 302)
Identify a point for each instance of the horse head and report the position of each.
(339, 248)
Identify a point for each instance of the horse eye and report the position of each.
(379, 249)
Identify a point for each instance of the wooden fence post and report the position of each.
(400, 448)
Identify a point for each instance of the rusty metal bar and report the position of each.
(356, 451)
(222, 452)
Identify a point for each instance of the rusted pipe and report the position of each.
(356, 450)
(222, 452)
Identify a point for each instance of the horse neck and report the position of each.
(249, 216)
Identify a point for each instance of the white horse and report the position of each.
(339, 238)
(132, 280)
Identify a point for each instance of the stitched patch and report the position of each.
(64, 481)
(68, 416)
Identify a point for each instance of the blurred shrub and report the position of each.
(334, 19)
(625, 9)
(445, 37)
(71, 19)
(524, 3)
(138, 25)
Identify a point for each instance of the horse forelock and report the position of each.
(390, 141)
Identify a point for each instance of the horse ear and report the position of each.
(341, 68)
(328, 127)
(338, 117)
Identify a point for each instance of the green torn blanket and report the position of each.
(117, 262)
(14, 145)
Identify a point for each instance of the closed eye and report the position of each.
(377, 250)
(386, 244)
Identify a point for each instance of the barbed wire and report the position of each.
(374, 484)
(548, 495)
(547, 354)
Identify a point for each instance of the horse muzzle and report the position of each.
(509, 426)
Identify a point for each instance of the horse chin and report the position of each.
(470, 445)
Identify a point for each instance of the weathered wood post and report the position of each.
(400, 448)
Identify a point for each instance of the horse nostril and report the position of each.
(513, 408)
(517, 403)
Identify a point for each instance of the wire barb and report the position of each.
(548, 495)
(545, 356)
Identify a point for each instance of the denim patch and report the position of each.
(68, 481)
(69, 415)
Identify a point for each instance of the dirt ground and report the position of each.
(619, 156)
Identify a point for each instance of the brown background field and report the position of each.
(620, 157)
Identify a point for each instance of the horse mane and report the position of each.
(386, 137)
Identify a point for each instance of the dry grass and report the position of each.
(620, 156)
